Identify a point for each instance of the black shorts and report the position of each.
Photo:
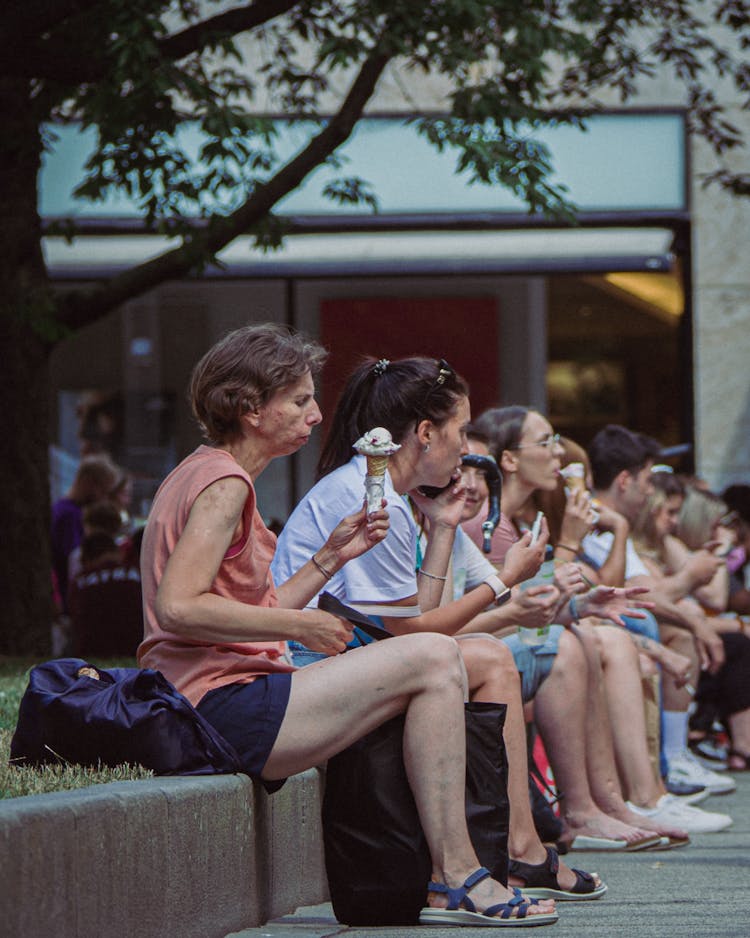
(249, 717)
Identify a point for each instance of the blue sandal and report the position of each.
(462, 911)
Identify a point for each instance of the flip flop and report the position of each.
(652, 842)
(462, 911)
(670, 843)
(583, 842)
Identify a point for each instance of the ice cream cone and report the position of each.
(377, 447)
(376, 465)
(575, 477)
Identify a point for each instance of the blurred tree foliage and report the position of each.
(136, 70)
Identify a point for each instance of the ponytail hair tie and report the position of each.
(379, 368)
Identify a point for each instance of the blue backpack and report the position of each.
(74, 712)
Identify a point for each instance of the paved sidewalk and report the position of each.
(700, 891)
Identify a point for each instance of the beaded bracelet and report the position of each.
(321, 568)
(432, 576)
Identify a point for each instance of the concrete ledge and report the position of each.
(161, 857)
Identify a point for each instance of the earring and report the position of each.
(426, 448)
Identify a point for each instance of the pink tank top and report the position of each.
(196, 667)
(503, 538)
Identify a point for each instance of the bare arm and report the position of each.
(353, 536)
(709, 646)
(612, 571)
(712, 595)
(677, 665)
(531, 608)
(184, 604)
(448, 619)
(442, 516)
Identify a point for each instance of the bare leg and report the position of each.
(493, 677)
(679, 640)
(624, 695)
(602, 769)
(560, 709)
(336, 701)
(739, 729)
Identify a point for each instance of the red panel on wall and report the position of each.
(461, 329)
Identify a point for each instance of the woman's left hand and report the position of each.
(358, 533)
(446, 508)
(609, 602)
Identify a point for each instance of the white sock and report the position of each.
(675, 732)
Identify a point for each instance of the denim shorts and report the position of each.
(249, 717)
(534, 663)
(647, 626)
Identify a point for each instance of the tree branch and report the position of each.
(81, 308)
(231, 22)
(54, 60)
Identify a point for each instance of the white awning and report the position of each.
(434, 253)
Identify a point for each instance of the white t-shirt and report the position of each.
(470, 566)
(597, 548)
(384, 574)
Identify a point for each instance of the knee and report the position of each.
(616, 645)
(438, 656)
(679, 640)
(570, 656)
(488, 656)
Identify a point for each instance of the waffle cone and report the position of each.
(376, 465)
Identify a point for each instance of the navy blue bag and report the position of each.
(74, 712)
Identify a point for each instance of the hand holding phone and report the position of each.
(536, 527)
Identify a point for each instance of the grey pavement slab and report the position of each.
(700, 891)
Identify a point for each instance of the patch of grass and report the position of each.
(16, 781)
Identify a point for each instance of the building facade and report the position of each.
(638, 315)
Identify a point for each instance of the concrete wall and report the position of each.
(163, 857)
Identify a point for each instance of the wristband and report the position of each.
(321, 568)
(501, 591)
(573, 609)
(573, 550)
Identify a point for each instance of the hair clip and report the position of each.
(444, 372)
(379, 368)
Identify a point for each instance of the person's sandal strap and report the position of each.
(537, 874)
(459, 896)
(506, 909)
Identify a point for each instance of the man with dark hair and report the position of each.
(621, 462)
(614, 450)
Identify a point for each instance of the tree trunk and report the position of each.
(26, 329)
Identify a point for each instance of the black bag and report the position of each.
(73, 712)
(377, 861)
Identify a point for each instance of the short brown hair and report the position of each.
(94, 479)
(243, 371)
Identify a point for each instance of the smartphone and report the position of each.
(536, 527)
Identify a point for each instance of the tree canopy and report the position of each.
(137, 70)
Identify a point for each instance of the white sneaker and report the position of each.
(670, 811)
(686, 768)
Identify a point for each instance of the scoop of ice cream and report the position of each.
(376, 442)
